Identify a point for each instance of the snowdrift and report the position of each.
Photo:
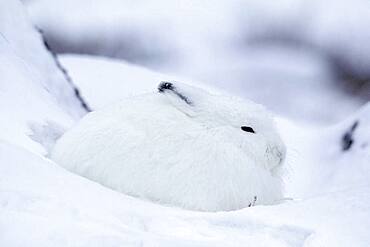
(330, 159)
(34, 91)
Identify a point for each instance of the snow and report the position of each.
(41, 204)
(318, 154)
(32, 89)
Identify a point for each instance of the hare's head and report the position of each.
(245, 127)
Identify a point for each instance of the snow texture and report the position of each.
(29, 79)
(335, 158)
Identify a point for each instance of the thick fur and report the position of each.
(180, 146)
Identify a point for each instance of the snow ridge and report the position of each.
(63, 70)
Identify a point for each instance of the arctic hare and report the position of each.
(179, 146)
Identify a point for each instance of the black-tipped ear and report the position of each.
(168, 86)
(165, 86)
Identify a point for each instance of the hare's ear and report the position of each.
(186, 98)
(169, 87)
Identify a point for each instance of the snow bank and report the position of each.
(328, 159)
(33, 89)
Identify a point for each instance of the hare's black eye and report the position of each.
(247, 129)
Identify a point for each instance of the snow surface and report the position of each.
(33, 90)
(41, 204)
(319, 165)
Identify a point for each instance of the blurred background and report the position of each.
(308, 60)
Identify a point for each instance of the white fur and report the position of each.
(157, 146)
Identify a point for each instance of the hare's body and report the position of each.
(179, 146)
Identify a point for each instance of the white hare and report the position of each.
(179, 146)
